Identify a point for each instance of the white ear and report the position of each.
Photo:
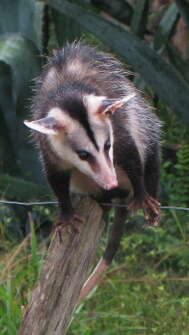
(47, 125)
(111, 105)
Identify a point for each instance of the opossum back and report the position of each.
(79, 62)
(101, 74)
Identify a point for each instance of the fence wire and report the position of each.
(44, 203)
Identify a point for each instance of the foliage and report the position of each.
(177, 177)
(31, 27)
(146, 289)
(25, 260)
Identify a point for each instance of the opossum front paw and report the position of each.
(150, 207)
(152, 211)
(71, 223)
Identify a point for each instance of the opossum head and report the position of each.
(79, 131)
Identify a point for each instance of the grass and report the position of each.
(144, 292)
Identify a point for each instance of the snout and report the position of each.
(112, 184)
(108, 182)
(105, 175)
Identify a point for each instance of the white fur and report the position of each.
(35, 125)
(69, 159)
(135, 131)
(93, 103)
(50, 81)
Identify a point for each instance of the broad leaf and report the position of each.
(162, 77)
(19, 64)
(7, 129)
(166, 26)
(183, 6)
(119, 9)
(7, 121)
(181, 64)
(139, 18)
(38, 24)
(22, 190)
(22, 16)
(67, 30)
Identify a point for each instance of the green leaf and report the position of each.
(119, 9)
(180, 64)
(183, 6)
(162, 77)
(166, 27)
(18, 17)
(139, 18)
(18, 52)
(67, 30)
(38, 23)
(19, 64)
(7, 120)
(16, 188)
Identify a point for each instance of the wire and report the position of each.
(28, 203)
(38, 203)
(175, 208)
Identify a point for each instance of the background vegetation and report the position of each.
(146, 289)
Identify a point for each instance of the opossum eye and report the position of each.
(107, 145)
(84, 155)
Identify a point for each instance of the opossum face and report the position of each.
(93, 158)
(83, 142)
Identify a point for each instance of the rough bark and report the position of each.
(64, 273)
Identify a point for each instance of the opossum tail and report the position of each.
(113, 244)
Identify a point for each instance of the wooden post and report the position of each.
(65, 270)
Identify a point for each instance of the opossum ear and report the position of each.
(48, 125)
(109, 106)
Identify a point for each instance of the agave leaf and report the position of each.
(7, 154)
(22, 190)
(183, 6)
(67, 30)
(23, 58)
(181, 64)
(7, 120)
(162, 77)
(119, 9)
(19, 64)
(166, 27)
(139, 18)
(19, 17)
(38, 23)
(7, 99)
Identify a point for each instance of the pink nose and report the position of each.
(112, 185)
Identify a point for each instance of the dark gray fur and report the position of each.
(101, 74)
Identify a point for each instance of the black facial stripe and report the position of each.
(72, 103)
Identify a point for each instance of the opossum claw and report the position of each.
(151, 211)
(150, 207)
(72, 225)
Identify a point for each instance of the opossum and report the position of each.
(96, 135)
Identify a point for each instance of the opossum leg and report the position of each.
(60, 183)
(152, 173)
(110, 251)
(129, 160)
(151, 211)
(144, 187)
(151, 179)
(150, 207)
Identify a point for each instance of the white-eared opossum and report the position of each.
(96, 135)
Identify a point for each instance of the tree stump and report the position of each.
(65, 270)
